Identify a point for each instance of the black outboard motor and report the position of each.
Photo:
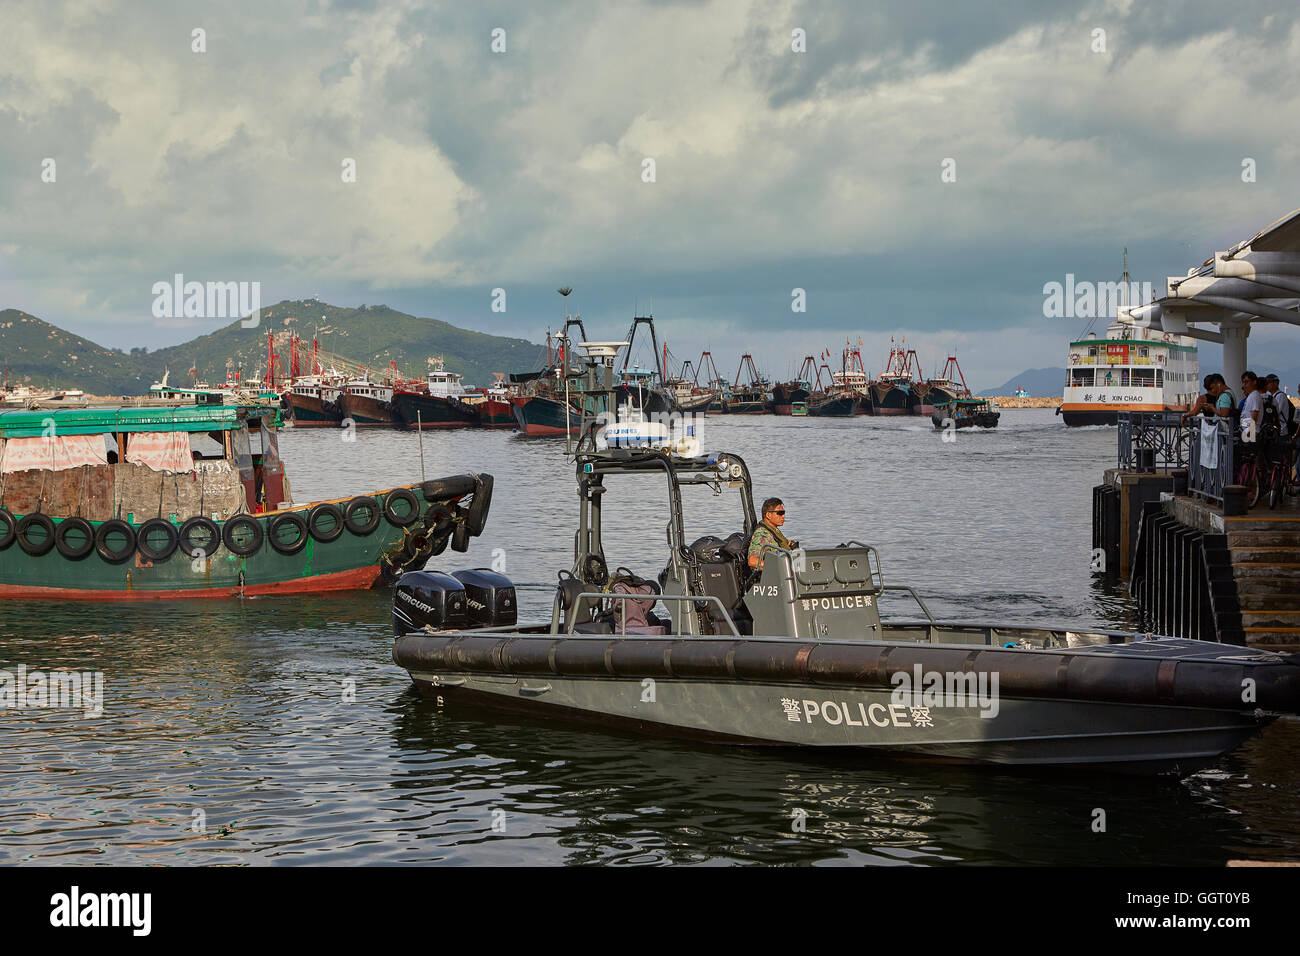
(428, 599)
(490, 598)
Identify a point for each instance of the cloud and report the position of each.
(523, 169)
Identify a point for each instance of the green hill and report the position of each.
(42, 354)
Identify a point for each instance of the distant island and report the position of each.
(40, 354)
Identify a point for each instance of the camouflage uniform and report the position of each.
(764, 540)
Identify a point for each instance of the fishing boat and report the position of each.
(646, 389)
(796, 653)
(891, 390)
(850, 382)
(492, 404)
(750, 393)
(438, 402)
(307, 405)
(546, 403)
(688, 395)
(965, 413)
(149, 503)
(367, 402)
(786, 395)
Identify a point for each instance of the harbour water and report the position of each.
(279, 731)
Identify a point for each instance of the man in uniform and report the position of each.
(767, 536)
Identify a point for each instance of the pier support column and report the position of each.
(1234, 354)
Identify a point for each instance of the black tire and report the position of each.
(200, 534)
(115, 528)
(242, 535)
(438, 518)
(39, 543)
(275, 531)
(75, 538)
(146, 537)
(460, 537)
(1253, 485)
(325, 522)
(417, 546)
(404, 498)
(477, 515)
(8, 526)
(440, 542)
(445, 489)
(362, 526)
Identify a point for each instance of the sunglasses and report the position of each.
(781, 513)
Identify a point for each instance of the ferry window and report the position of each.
(1159, 377)
(1143, 352)
(1092, 351)
(1082, 377)
(1143, 377)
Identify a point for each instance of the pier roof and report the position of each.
(1255, 280)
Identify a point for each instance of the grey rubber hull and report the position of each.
(1024, 732)
(1067, 708)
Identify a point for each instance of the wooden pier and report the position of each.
(1195, 572)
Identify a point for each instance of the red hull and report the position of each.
(358, 579)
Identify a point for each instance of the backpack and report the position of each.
(1270, 424)
(1288, 417)
(636, 611)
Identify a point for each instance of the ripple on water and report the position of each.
(230, 735)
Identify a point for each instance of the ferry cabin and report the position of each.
(1131, 370)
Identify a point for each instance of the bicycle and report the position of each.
(1249, 475)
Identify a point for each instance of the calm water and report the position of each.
(233, 715)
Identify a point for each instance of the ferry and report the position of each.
(1132, 369)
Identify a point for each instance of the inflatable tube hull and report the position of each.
(1169, 706)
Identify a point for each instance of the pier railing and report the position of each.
(1152, 440)
(1210, 465)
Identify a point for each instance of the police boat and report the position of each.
(796, 654)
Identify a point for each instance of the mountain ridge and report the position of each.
(42, 354)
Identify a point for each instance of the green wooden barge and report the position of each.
(117, 507)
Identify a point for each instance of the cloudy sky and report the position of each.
(525, 169)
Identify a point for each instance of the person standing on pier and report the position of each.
(1251, 405)
(1217, 400)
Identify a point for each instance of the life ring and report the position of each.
(277, 525)
(43, 541)
(394, 515)
(443, 489)
(115, 527)
(7, 526)
(208, 537)
(476, 517)
(366, 524)
(75, 538)
(246, 543)
(460, 537)
(325, 522)
(148, 531)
